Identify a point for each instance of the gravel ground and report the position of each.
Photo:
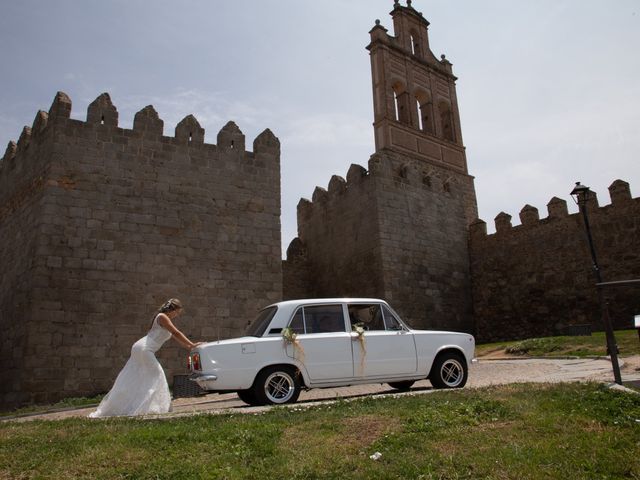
(481, 374)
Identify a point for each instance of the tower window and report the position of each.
(401, 104)
(396, 106)
(425, 112)
(415, 43)
(446, 122)
(426, 117)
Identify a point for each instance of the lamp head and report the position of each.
(580, 193)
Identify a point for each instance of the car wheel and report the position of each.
(405, 385)
(449, 371)
(248, 397)
(277, 385)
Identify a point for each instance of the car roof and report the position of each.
(323, 301)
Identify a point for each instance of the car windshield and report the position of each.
(260, 324)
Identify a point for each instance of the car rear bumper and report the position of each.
(204, 381)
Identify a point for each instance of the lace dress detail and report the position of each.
(141, 386)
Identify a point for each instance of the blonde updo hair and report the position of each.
(170, 305)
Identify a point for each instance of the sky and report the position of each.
(549, 91)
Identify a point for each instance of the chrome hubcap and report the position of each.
(279, 387)
(452, 372)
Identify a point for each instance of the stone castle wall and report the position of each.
(102, 224)
(22, 184)
(424, 213)
(536, 279)
(338, 251)
(397, 231)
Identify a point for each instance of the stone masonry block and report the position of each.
(10, 152)
(24, 140)
(102, 112)
(40, 122)
(619, 192)
(267, 143)
(61, 107)
(503, 222)
(337, 185)
(529, 215)
(147, 122)
(189, 131)
(356, 173)
(557, 208)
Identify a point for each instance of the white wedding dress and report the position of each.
(141, 387)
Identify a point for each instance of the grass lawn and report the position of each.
(569, 431)
(594, 345)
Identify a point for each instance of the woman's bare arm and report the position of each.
(166, 323)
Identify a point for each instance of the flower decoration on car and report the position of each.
(291, 337)
(360, 329)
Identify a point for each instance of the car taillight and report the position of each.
(195, 361)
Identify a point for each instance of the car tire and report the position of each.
(277, 385)
(248, 397)
(449, 371)
(404, 385)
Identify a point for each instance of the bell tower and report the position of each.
(398, 229)
(414, 93)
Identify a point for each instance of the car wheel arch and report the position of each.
(445, 350)
(297, 370)
(277, 384)
(450, 369)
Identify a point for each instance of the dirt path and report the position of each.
(481, 374)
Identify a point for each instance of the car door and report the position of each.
(322, 343)
(385, 348)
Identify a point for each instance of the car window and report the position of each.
(260, 324)
(297, 322)
(390, 320)
(369, 316)
(321, 319)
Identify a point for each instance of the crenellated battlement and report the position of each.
(536, 279)
(403, 170)
(102, 114)
(337, 187)
(100, 130)
(619, 194)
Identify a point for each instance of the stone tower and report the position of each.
(414, 95)
(398, 230)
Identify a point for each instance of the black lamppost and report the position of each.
(581, 194)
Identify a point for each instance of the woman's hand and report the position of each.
(196, 345)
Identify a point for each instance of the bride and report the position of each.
(141, 387)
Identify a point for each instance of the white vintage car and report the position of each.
(322, 343)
